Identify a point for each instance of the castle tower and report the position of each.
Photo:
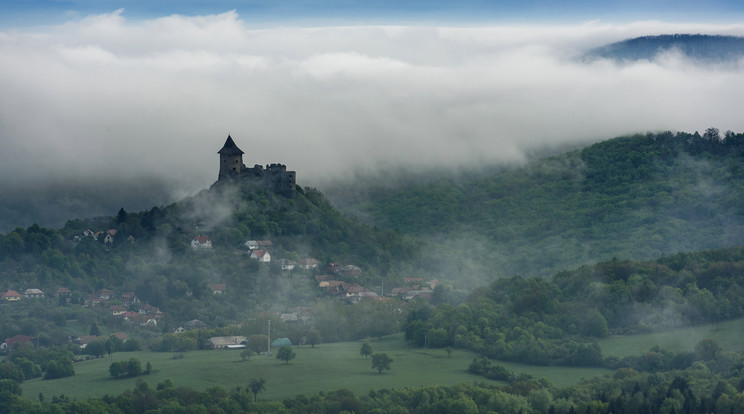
(231, 159)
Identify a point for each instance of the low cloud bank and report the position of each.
(107, 100)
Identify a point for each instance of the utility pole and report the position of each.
(269, 341)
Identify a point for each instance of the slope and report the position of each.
(636, 197)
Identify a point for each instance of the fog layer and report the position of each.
(103, 101)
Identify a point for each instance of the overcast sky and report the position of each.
(104, 96)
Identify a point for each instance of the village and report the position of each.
(334, 280)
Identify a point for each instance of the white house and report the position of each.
(261, 255)
(201, 242)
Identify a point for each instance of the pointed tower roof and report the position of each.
(230, 148)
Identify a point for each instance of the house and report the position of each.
(109, 239)
(194, 324)
(123, 336)
(128, 298)
(18, 340)
(293, 317)
(259, 244)
(261, 255)
(105, 294)
(217, 288)
(118, 310)
(33, 293)
(226, 342)
(91, 233)
(308, 263)
(151, 311)
(63, 292)
(350, 270)
(413, 280)
(92, 300)
(133, 316)
(333, 267)
(201, 242)
(84, 340)
(287, 264)
(12, 296)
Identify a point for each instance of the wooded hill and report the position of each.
(637, 197)
(553, 322)
(705, 49)
(151, 256)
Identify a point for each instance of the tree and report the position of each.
(96, 348)
(256, 386)
(134, 367)
(246, 354)
(121, 216)
(94, 330)
(712, 134)
(313, 337)
(115, 369)
(366, 350)
(285, 354)
(257, 343)
(707, 349)
(381, 361)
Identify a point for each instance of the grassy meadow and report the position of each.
(729, 334)
(323, 368)
(339, 365)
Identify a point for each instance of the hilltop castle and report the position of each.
(274, 176)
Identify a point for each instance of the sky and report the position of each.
(110, 104)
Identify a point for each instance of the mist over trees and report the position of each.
(637, 197)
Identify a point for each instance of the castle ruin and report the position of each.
(273, 176)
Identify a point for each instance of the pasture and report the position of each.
(729, 334)
(323, 368)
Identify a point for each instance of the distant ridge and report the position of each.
(704, 48)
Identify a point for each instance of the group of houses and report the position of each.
(259, 250)
(84, 340)
(353, 292)
(415, 287)
(109, 236)
(11, 295)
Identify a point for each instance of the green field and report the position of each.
(339, 365)
(326, 367)
(729, 334)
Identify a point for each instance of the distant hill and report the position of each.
(638, 197)
(699, 47)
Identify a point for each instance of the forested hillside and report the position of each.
(636, 197)
(705, 49)
(549, 322)
(97, 272)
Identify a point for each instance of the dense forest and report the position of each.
(554, 322)
(637, 197)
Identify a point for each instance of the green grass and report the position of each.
(339, 365)
(324, 368)
(729, 334)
